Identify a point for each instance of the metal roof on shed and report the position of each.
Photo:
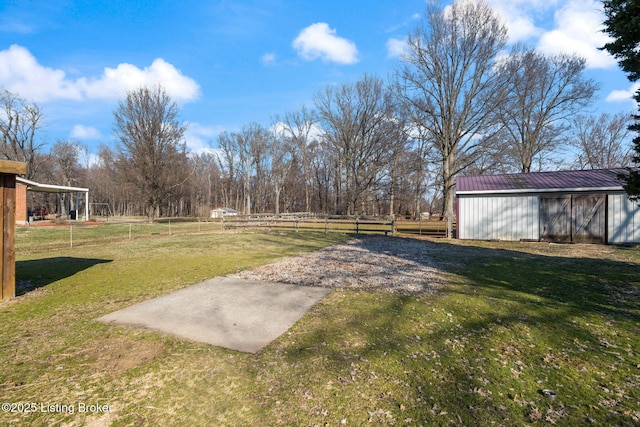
(573, 180)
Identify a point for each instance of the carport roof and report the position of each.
(558, 181)
(50, 188)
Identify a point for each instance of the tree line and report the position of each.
(456, 103)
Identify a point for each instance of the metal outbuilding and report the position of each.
(581, 206)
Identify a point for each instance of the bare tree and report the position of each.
(20, 122)
(543, 94)
(448, 83)
(298, 127)
(206, 190)
(245, 153)
(227, 161)
(280, 149)
(67, 155)
(602, 142)
(361, 128)
(151, 153)
(322, 167)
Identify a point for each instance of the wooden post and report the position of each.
(8, 172)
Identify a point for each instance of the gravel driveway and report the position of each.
(397, 265)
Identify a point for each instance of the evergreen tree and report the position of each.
(623, 25)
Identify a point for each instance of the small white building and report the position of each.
(581, 206)
(222, 212)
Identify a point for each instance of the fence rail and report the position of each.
(336, 223)
(431, 228)
(325, 223)
(74, 234)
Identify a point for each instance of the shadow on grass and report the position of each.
(34, 274)
(511, 324)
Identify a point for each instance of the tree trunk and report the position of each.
(448, 192)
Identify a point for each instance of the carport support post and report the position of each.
(8, 172)
(86, 206)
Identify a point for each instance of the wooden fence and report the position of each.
(335, 223)
(431, 228)
(309, 222)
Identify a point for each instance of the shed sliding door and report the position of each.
(573, 218)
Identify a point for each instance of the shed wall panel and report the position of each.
(504, 217)
(624, 220)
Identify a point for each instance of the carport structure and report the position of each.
(50, 188)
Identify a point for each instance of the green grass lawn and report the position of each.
(514, 320)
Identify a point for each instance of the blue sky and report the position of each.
(229, 63)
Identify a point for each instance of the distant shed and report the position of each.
(222, 212)
(581, 206)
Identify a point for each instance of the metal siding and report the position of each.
(481, 226)
(463, 220)
(624, 220)
(468, 221)
(505, 217)
(534, 219)
(489, 214)
(502, 225)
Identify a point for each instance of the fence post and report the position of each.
(357, 225)
(8, 207)
(326, 224)
(393, 226)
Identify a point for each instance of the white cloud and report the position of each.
(197, 137)
(521, 28)
(318, 41)
(115, 82)
(518, 16)
(315, 131)
(85, 132)
(558, 27)
(623, 95)
(396, 47)
(21, 73)
(578, 31)
(268, 59)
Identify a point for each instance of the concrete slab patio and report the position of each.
(227, 312)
